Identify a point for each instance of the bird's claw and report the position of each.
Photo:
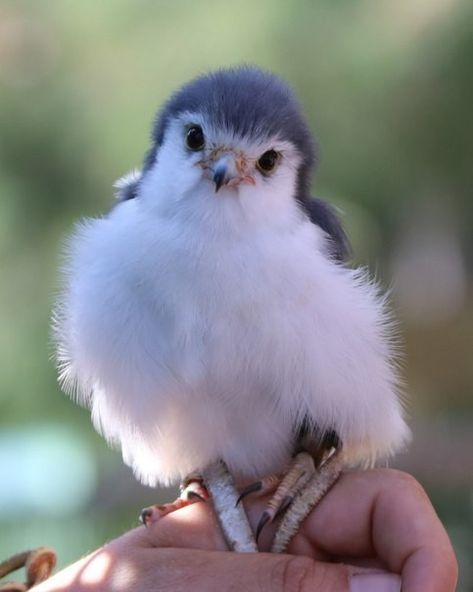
(262, 487)
(271, 514)
(265, 518)
(251, 488)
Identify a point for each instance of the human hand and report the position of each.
(379, 519)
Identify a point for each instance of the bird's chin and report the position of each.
(228, 190)
(230, 187)
(238, 182)
(207, 187)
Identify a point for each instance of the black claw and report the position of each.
(252, 488)
(285, 503)
(145, 513)
(265, 518)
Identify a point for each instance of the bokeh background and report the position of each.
(388, 89)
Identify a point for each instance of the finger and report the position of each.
(121, 566)
(380, 513)
(191, 527)
(208, 571)
(196, 527)
(383, 513)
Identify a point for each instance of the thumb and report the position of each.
(253, 572)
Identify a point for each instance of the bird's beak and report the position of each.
(224, 170)
(228, 169)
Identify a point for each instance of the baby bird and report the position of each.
(210, 321)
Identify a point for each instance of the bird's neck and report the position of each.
(228, 216)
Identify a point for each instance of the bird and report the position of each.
(212, 320)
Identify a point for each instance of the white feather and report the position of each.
(200, 326)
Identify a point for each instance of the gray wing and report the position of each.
(326, 216)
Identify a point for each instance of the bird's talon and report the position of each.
(262, 487)
(252, 488)
(265, 518)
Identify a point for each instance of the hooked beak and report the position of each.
(221, 174)
(229, 169)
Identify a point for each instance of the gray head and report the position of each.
(242, 103)
(229, 131)
(245, 102)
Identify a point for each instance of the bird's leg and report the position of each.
(192, 490)
(301, 469)
(318, 485)
(230, 514)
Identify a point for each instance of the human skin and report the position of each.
(370, 520)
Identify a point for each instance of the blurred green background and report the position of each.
(388, 89)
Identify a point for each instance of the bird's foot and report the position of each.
(192, 490)
(307, 497)
(301, 470)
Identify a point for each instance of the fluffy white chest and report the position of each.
(198, 346)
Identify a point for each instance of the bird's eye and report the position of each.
(195, 138)
(268, 161)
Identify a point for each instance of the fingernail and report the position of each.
(375, 582)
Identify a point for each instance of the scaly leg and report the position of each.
(300, 471)
(313, 492)
(230, 514)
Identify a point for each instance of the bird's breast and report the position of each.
(201, 346)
